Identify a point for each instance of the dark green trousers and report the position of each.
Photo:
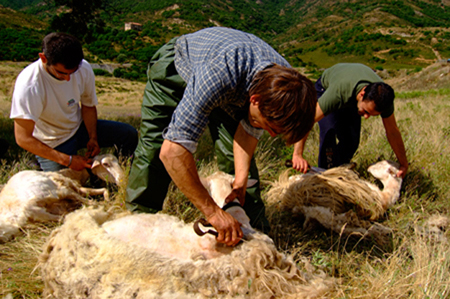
(148, 181)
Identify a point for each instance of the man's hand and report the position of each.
(238, 193)
(299, 163)
(402, 171)
(79, 163)
(93, 148)
(229, 229)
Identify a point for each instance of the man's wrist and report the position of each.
(70, 161)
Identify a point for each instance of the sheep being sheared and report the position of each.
(46, 196)
(338, 199)
(158, 256)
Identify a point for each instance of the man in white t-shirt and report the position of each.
(54, 109)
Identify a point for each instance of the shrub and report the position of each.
(101, 72)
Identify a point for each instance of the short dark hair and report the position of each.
(381, 94)
(59, 47)
(287, 100)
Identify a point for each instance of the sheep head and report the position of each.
(384, 170)
(219, 186)
(107, 168)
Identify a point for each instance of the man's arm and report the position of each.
(244, 146)
(23, 131)
(89, 115)
(180, 165)
(298, 162)
(395, 140)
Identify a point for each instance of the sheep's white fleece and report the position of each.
(46, 196)
(95, 254)
(81, 260)
(339, 200)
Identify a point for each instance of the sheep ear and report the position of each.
(251, 182)
(95, 164)
(392, 171)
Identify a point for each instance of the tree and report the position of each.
(81, 15)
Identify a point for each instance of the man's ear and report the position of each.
(362, 92)
(254, 99)
(43, 57)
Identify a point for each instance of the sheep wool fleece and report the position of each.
(194, 82)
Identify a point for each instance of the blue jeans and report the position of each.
(123, 137)
(343, 125)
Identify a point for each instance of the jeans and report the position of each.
(123, 137)
(343, 125)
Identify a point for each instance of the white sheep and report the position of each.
(339, 200)
(46, 196)
(93, 255)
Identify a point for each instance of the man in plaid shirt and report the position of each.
(238, 86)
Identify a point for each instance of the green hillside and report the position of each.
(314, 34)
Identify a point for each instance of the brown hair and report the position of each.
(287, 100)
(63, 48)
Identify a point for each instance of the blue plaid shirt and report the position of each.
(218, 65)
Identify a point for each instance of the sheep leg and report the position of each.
(77, 197)
(40, 214)
(95, 191)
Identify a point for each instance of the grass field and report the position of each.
(415, 263)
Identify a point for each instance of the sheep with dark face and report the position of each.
(95, 254)
(33, 195)
(339, 200)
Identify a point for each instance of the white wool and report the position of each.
(33, 195)
(98, 255)
(339, 200)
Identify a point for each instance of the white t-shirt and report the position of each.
(53, 105)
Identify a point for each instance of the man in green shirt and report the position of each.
(345, 92)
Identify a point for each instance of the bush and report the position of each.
(121, 58)
(119, 72)
(101, 72)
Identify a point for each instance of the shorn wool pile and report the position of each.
(96, 254)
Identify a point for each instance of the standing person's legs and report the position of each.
(328, 147)
(327, 126)
(223, 128)
(148, 180)
(348, 133)
(339, 137)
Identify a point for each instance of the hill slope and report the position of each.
(314, 34)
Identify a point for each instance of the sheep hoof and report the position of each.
(106, 195)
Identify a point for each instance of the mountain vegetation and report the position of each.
(314, 34)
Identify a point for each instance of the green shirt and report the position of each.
(341, 80)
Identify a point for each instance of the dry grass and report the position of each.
(416, 263)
